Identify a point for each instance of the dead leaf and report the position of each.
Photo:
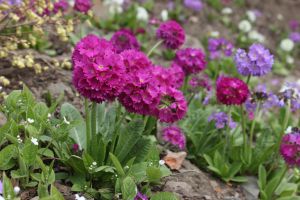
(175, 160)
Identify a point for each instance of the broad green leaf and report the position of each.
(29, 152)
(129, 189)
(262, 177)
(117, 164)
(8, 189)
(55, 195)
(164, 196)
(78, 133)
(153, 174)
(77, 164)
(6, 156)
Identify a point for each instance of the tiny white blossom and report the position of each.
(226, 11)
(77, 197)
(30, 121)
(289, 59)
(288, 130)
(49, 115)
(17, 190)
(34, 141)
(287, 45)
(164, 15)
(66, 121)
(1, 198)
(94, 163)
(161, 162)
(254, 35)
(251, 15)
(215, 34)
(142, 14)
(280, 17)
(114, 6)
(245, 26)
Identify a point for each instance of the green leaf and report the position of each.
(117, 164)
(239, 179)
(262, 177)
(29, 152)
(46, 152)
(55, 195)
(8, 189)
(76, 164)
(6, 156)
(78, 133)
(234, 169)
(129, 189)
(164, 196)
(153, 174)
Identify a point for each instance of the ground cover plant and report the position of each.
(145, 99)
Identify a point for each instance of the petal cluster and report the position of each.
(124, 40)
(219, 47)
(290, 148)
(221, 120)
(175, 136)
(83, 6)
(171, 33)
(231, 91)
(257, 62)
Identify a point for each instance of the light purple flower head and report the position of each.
(11, 2)
(257, 62)
(221, 120)
(219, 47)
(140, 196)
(195, 5)
(175, 136)
(295, 36)
(290, 148)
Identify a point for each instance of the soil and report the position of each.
(189, 183)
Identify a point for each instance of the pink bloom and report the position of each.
(171, 33)
(135, 60)
(190, 60)
(175, 136)
(290, 148)
(231, 91)
(83, 6)
(201, 81)
(75, 147)
(166, 77)
(123, 40)
(61, 5)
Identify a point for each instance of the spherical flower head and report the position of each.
(61, 5)
(219, 47)
(172, 106)
(123, 40)
(231, 91)
(191, 60)
(245, 26)
(135, 60)
(195, 5)
(141, 93)
(221, 120)
(83, 6)
(289, 149)
(257, 62)
(294, 24)
(166, 77)
(171, 33)
(175, 136)
(295, 37)
(287, 45)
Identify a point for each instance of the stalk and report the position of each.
(253, 124)
(244, 127)
(87, 124)
(227, 132)
(154, 47)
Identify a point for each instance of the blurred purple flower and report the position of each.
(294, 24)
(195, 5)
(221, 120)
(219, 47)
(209, 95)
(1, 187)
(175, 136)
(11, 2)
(295, 36)
(140, 196)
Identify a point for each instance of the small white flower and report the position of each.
(245, 26)
(142, 14)
(288, 130)
(1, 198)
(30, 121)
(280, 17)
(287, 45)
(254, 35)
(114, 6)
(289, 59)
(164, 15)
(17, 190)
(34, 141)
(251, 15)
(77, 197)
(49, 115)
(161, 162)
(19, 139)
(94, 163)
(66, 121)
(226, 11)
(215, 34)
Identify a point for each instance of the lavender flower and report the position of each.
(195, 5)
(140, 196)
(175, 136)
(257, 62)
(295, 36)
(294, 25)
(1, 187)
(219, 47)
(11, 2)
(221, 120)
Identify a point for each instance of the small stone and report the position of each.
(206, 197)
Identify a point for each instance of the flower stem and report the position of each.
(253, 124)
(227, 141)
(154, 47)
(248, 79)
(243, 127)
(94, 124)
(87, 124)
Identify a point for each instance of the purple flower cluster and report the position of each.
(257, 62)
(191, 60)
(295, 36)
(219, 47)
(195, 5)
(290, 148)
(124, 40)
(221, 120)
(175, 136)
(83, 6)
(202, 81)
(294, 24)
(140, 196)
(171, 33)
(61, 5)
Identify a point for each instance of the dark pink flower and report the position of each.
(83, 6)
(201, 81)
(231, 91)
(75, 147)
(190, 60)
(135, 60)
(171, 33)
(290, 148)
(61, 5)
(175, 136)
(123, 40)
(168, 77)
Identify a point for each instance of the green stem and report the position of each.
(280, 179)
(87, 124)
(227, 133)
(248, 79)
(243, 127)
(116, 132)
(94, 125)
(253, 124)
(185, 85)
(154, 47)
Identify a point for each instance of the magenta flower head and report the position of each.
(257, 62)
(168, 77)
(1, 187)
(231, 91)
(195, 5)
(202, 81)
(191, 60)
(140, 196)
(123, 40)
(294, 24)
(83, 6)
(172, 106)
(219, 47)
(61, 5)
(175, 136)
(135, 60)
(99, 73)
(290, 148)
(171, 33)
